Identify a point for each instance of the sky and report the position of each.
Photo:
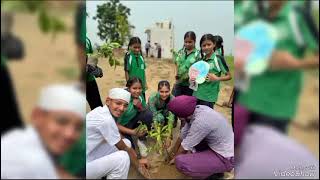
(215, 17)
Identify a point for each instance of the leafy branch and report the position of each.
(106, 51)
(47, 23)
(160, 133)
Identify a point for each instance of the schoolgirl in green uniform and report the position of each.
(207, 92)
(134, 64)
(186, 57)
(137, 111)
(158, 101)
(272, 97)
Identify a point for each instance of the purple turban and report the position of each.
(183, 106)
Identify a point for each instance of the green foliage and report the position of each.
(106, 51)
(113, 24)
(160, 133)
(44, 21)
(22, 6)
(69, 73)
(47, 22)
(142, 127)
(170, 124)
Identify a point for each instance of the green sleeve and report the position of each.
(75, 158)
(198, 57)
(157, 115)
(145, 64)
(89, 49)
(185, 67)
(144, 104)
(90, 77)
(152, 103)
(126, 62)
(244, 12)
(179, 56)
(3, 61)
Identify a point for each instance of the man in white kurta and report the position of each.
(103, 157)
(30, 152)
(108, 155)
(24, 156)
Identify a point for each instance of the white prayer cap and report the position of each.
(119, 93)
(63, 97)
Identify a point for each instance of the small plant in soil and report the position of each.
(160, 133)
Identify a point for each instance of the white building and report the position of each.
(163, 33)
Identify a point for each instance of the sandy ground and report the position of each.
(305, 127)
(50, 61)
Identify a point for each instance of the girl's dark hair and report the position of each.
(134, 40)
(219, 41)
(163, 83)
(190, 34)
(205, 37)
(133, 80)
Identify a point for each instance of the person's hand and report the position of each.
(282, 59)
(137, 103)
(239, 64)
(171, 153)
(172, 161)
(143, 168)
(212, 77)
(63, 174)
(139, 133)
(193, 79)
(144, 162)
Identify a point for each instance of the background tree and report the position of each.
(113, 24)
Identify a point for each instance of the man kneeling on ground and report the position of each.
(108, 154)
(205, 146)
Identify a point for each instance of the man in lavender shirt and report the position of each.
(206, 145)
